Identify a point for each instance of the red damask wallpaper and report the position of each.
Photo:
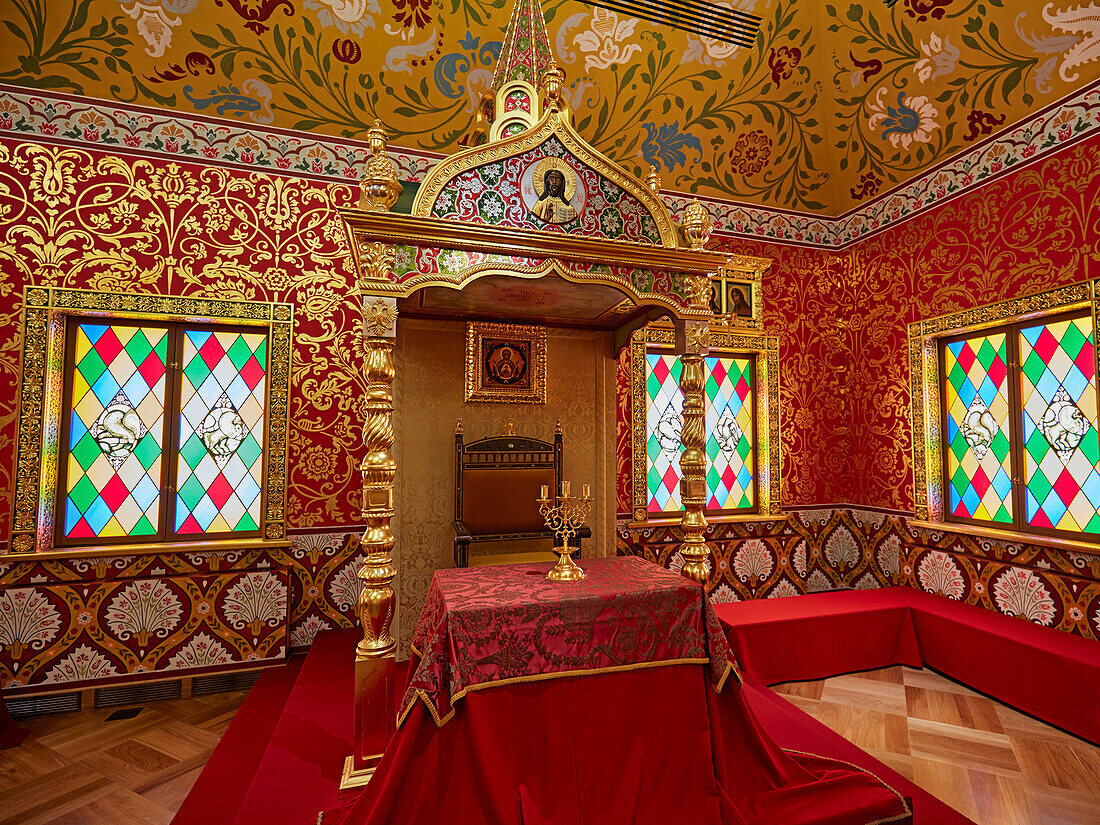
(93, 220)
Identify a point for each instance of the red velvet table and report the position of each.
(611, 700)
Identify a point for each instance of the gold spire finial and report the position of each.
(653, 180)
(553, 79)
(379, 188)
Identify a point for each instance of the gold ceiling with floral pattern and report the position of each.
(837, 103)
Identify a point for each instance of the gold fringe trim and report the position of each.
(890, 788)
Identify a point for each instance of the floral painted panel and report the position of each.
(831, 107)
(546, 188)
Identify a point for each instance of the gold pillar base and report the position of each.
(352, 778)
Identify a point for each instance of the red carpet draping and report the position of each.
(656, 745)
(1050, 674)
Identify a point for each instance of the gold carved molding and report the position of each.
(44, 312)
(723, 341)
(553, 124)
(925, 379)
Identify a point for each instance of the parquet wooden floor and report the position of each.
(992, 764)
(987, 761)
(84, 769)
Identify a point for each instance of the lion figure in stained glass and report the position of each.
(222, 430)
(1063, 424)
(979, 428)
(728, 433)
(118, 429)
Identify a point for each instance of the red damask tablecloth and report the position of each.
(488, 626)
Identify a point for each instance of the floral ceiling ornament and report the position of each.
(348, 16)
(783, 61)
(939, 58)
(751, 152)
(1083, 21)
(154, 25)
(257, 12)
(913, 119)
(606, 40)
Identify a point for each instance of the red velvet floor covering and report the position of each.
(298, 774)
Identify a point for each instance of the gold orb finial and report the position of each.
(553, 81)
(379, 188)
(697, 225)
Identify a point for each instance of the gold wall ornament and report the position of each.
(379, 188)
(653, 181)
(380, 318)
(45, 310)
(697, 225)
(376, 262)
(505, 363)
(926, 409)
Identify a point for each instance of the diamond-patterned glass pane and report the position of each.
(979, 460)
(219, 472)
(1061, 445)
(116, 431)
(664, 407)
(729, 433)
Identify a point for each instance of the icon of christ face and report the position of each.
(552, 205)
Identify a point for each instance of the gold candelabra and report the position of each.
(564, 518)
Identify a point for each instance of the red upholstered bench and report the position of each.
(1052, 675)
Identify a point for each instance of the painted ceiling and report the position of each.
(837, 103)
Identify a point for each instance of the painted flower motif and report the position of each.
(603, 43)
(412, 14)
(255, 600)
(173, 184)
(83, 663)
(869, 184)
(751, 152)
(938, 573)
(302, 634)
(1078, 20)
(154, 25)
(923, 9)
(841, 549)
(52, 177)
(752, 561)
(866, 582)
(317, 463)
(783, 589)
(889, 556)
(666, 144)
(201, 650)
(1020, 592)
(913, 119)
(783, 61)
(724, 594)
(981, 123)
(92, 124)
(142, 609)
(349, 16)
(798, 558)
(939, 58)
(344, 587)
(1076, 613)
(27, 620)
(818, 582)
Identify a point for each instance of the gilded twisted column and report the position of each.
(375, 666)
(693, 339)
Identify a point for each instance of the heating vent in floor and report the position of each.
(738, 28)
(110, 697)
(38, 705)
(223, 682)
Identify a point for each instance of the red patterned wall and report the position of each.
(842, 321)
(89, 219)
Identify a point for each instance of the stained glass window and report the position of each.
(149, 404)
(729, 432)
(1021, 445)
(664, 407)
(978, 450)
(115, 432)
(221, 431)
(1058, 400)
(728, 428)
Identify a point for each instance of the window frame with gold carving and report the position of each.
(975, 418)
(94, 413)
(759, 410)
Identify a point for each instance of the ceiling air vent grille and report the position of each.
(39, 705)
(110, 697)
(727, 25)
(223, 682)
